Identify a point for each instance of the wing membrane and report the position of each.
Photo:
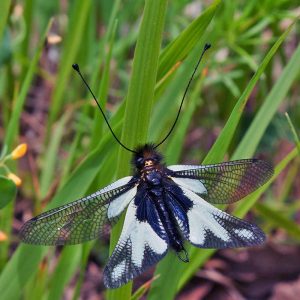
(78, 221)
(210, 227)
(225, 182)
(138, 248)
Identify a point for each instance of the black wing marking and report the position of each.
(138, 248)
(210, 227)
(225, 182)
(81, 220)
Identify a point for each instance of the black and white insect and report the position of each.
(165, 206)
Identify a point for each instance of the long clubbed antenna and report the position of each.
(206, 47)
(76, 68)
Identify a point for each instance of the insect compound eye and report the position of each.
(156, 158)
(140, 162)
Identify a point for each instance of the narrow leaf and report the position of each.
(139, 101)
(8, 191)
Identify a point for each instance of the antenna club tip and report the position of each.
(207, 46)
(75, 67)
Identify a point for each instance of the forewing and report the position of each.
(81, 220)
(138, 248)
(225, 182)
(210, 227)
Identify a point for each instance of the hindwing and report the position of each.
(138, 248)
(210, 227)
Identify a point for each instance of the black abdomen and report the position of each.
(153, 207)
(169, 223)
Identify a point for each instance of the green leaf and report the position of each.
(142, 290)
(102, 94)
(8, 191)
(23, 266)
(185, 42)
(67, 265)
(19, 275)
(247, 151)
(72, 45)
(17, 108)
(243, 207)
(176, 141)
(25, 261)
(170, 265)
(200, 256)
(275, 98)
(294, 132)
(10, 136)
(170, 100)
(218, 150)
(51, 154)
(276, 218)
(4, 11)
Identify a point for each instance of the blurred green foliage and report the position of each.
(235, 108)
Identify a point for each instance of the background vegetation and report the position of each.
(138, 57)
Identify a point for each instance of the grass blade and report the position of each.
(224, 139)
(67, 265)
(185, 42)
(8, 191)
(25, 261)
(269, 107)
(217, 152)
(139, 101)
(294, 132)
(17, 108)
(51, 156)
(4, 10)
(199, 256)
(103, 90)
(278, 219)
(176, 141)
(71, 47)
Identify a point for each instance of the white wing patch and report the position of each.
(115, 184)
(195, 185)
(245, 233)
(176, 168)
(108, 188)
(141, 235)
(119, 269)
(117, 205)
(201, 218)
(138, 248)
(210, 227)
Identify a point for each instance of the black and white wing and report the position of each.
(209, 227)
(139, 245)
(81, 220)
(225, 182)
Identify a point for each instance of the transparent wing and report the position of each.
(210, 227)
(225, 182)
(81, 220)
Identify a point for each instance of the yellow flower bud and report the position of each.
(3, 236)
(19, 151)
(15, 179)
(54, 39)
(204, 71)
